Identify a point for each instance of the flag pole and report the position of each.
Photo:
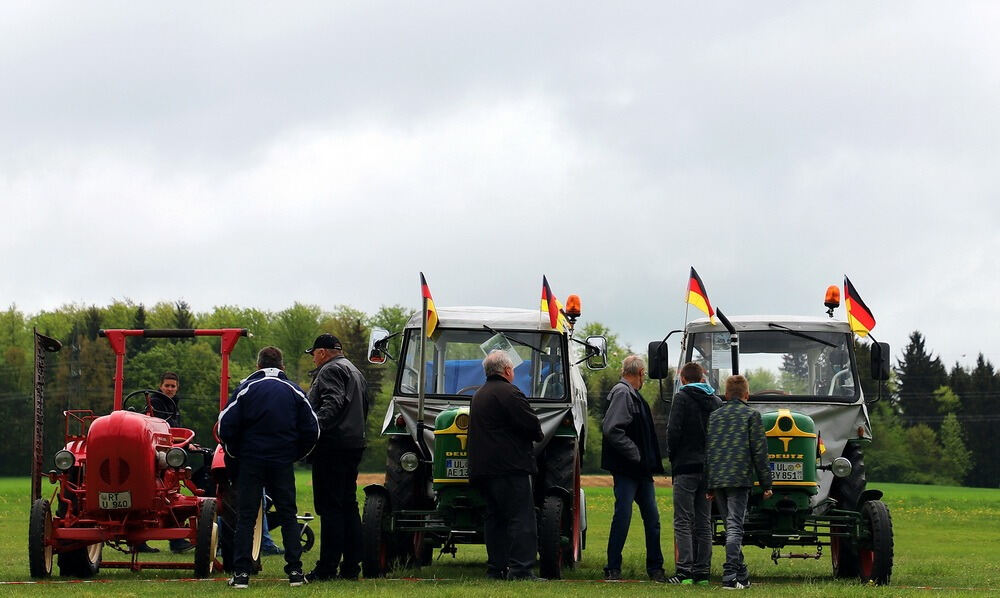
(421, 375)
(687, 306)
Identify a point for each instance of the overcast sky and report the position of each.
(258, 155)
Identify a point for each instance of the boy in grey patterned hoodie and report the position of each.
(737, 448)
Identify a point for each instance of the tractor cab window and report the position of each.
(454, 363)
(815, 365)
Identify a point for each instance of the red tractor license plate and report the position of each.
(115, 500)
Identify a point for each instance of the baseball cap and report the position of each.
(326, 341)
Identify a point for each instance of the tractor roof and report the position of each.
(800, 323)
(495, 317)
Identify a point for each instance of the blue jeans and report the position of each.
(640, 491)
(692, 525)
(733, 504)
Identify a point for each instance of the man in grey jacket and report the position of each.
(632, 454)
(339, 396)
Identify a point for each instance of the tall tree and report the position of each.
(919, 374)
(139, 343)
(980, 400)
(956, 459)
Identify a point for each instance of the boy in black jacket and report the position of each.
(686, 427)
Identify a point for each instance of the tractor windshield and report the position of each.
(807, 365)
(454, 362)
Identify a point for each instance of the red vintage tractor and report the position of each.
(120, 478)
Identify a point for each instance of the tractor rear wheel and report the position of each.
(876, 553)
(843, 556)
(83, 562)
(550, 548)
(376, 556)
(227, 507)
(207, 540)
(39, 539)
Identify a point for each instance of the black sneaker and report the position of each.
(612, 575)
(528, 577)
(658, 576)
(295, 578)
(145, 547)
(733, 584)
(677, 578)
(240, 581)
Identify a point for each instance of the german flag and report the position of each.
(551, 306)
(431, 316)
(698, 296)
(858, 315)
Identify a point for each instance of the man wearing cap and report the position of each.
(339, 395)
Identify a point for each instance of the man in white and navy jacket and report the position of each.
(267, 426)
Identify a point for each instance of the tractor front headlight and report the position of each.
(841, 467)
(64, 460)
(176, 457)
(409, 462)
(462, 421)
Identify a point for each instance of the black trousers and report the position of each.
(335, 486)
(510, 529)
(279, 479)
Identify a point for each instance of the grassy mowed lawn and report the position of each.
(948, 538)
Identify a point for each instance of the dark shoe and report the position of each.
(612, 575)
(295, 578)
(678, 578)
(272, 549)
(658, 576)
(180, 546)
(732, 584)
(315, 575)
(145, 547)
(497, 575)
(701, 580)
(240, 581)
(343, 577)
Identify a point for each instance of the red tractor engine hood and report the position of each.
(121, 457)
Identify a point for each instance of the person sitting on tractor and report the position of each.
(737, 447)
(268, 425)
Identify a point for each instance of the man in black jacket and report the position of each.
(632, 455)
(267, 426)
(502, 427)
(686, 428)
(339, 394)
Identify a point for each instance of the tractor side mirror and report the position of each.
(881, 356)
(376, 346)
(597, 352)
(659, 362)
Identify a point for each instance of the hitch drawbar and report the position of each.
(776, 554)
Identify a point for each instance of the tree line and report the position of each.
(921, 426)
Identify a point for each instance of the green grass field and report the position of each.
(946, 538)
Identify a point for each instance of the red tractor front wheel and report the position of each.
(40, 539)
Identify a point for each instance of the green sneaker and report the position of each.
(701, 582)
(687, 582)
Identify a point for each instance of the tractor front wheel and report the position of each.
(307, 537)
(375, 552)
(40, 539)
(207, 540)
(550, 548)
(843, 556)
(875, 554)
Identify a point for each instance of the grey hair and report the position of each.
(496, 362)
(632, 365)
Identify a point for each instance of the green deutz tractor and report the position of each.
(804, 381)
(427, 502)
